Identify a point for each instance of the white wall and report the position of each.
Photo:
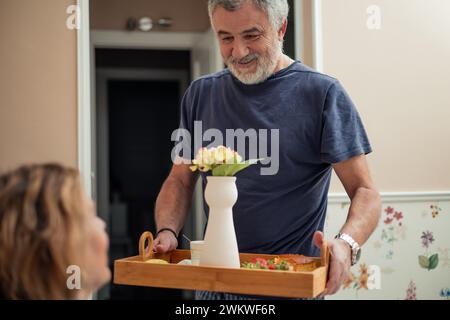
(399, 78)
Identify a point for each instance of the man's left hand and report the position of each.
(340, 262)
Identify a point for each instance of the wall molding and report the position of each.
(416, 196)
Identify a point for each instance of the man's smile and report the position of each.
(246, 65)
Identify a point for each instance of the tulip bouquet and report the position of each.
(222, 161)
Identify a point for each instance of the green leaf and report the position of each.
(229, 170)
(424, 262)
(434, 261)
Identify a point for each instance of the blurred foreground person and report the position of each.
(52, 244)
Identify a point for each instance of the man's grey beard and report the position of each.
(265, 67)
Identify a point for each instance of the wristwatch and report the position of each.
(356, 249)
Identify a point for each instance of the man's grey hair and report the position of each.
(276, 10)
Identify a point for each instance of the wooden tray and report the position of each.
(290, 284)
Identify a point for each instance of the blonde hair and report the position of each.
(42, 221)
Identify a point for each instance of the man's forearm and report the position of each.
(172, 205)
(364, 214)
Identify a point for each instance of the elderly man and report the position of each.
(319, 130)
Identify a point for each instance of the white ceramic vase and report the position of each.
(220, 248)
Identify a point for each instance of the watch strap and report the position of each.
(167, 229)
(355, 248)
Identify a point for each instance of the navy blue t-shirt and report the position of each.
(318, 126)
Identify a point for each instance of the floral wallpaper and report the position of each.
(407, 257)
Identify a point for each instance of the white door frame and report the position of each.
(299, 30)
(84, 150)
(159, 41)
(317, 35)
(87, 41)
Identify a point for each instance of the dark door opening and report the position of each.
(142, 116)
(140, 110)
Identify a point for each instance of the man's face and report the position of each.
(249, 44)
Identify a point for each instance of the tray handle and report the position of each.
(146, 253)
(324, 254)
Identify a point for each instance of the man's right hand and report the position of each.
(165, 242)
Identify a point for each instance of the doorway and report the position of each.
(138, 104)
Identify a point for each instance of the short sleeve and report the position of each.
(343, 133)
